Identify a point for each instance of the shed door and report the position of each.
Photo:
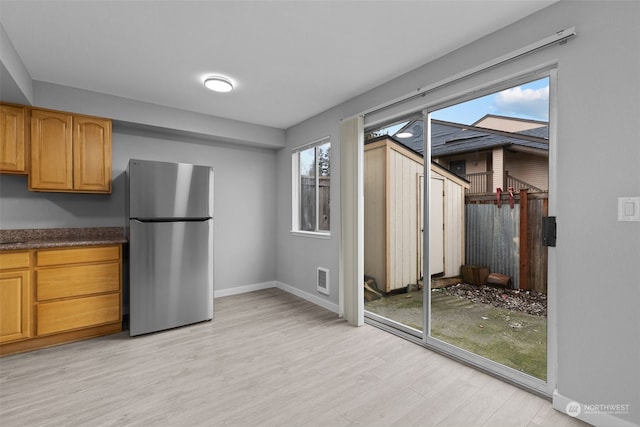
(436, 227)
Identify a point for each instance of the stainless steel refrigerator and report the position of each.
(170, 208)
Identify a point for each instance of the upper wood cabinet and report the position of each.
(70, 152)
(51, 151)
(91, 154)
(13, 139)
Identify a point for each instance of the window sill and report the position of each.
(315, 235)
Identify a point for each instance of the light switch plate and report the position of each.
(629, 209)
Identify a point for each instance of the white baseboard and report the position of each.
(243, 289)
(275, 284)
(595, 418)
(309, 297)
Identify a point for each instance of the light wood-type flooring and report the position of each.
(267, 359)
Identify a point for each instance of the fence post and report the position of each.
(524, 240)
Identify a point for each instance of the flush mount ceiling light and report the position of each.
(218, 84)
(415, 130)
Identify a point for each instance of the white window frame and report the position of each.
(295, 191)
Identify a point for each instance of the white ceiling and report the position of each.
(290, 59)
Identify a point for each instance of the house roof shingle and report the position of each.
(448, 138)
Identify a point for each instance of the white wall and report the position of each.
(170, 120)
(244, 200)
(598, 160)
(598, 285)
(15, 82)
(299, 257)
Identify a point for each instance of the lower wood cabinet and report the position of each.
(71, 281)
(15, 296)
(70, 314)
(60, 295)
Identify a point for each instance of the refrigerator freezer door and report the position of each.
(171, 274)
(160, 190)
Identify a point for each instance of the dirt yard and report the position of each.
(506, 334)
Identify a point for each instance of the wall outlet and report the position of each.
(629, 209)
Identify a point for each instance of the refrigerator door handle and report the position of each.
(148, 220)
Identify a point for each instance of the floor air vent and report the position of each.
(323, 281)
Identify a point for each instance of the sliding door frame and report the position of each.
(532, 384)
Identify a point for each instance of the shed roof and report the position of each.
(435, 167)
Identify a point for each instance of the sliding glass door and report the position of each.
(457, 260)
(493, 304)
(393, 223)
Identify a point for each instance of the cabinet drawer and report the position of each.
(76, 281)
(77, 255)
(11, 260)
(59, 316)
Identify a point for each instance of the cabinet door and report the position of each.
(91, 154)
(12, 139)
(15, 306)
(51, 151)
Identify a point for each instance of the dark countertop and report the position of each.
(39, 238)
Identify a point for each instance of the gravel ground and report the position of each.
(530, 302)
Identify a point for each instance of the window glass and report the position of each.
(324, 185)
(311, 191)
(308, 190)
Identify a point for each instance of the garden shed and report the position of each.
(393, 218)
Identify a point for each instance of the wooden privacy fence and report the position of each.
(308, 203)
(508, 241)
